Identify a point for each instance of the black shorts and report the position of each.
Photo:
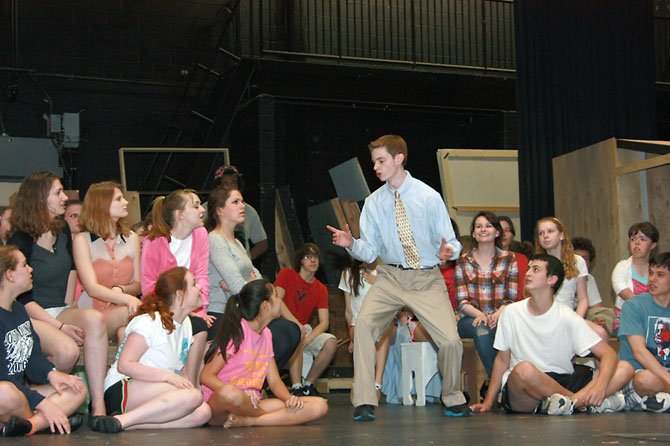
(198, 324)
(116, 397)
(214, 329)
(574, 382)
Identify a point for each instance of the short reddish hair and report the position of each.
(394, 144)
(95, 215)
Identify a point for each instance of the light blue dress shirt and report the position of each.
(428, 218)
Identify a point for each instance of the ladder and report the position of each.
(211, 93)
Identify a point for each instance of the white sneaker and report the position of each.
(557, 404)
(658, 403)
(613, 403)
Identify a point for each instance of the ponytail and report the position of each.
(161, 299)
(163, 212)
(159, 227)
(229, 330)
(245, 305)
(153, 304)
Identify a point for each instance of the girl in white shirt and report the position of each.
(629, 277)
(356, 280)
(551, 237)
(153, 383)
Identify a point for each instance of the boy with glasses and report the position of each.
(302, 293)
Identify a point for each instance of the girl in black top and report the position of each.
(45, 240)
(29, 409)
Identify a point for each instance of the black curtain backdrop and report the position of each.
(585, 72)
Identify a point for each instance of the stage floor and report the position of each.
(401, 426)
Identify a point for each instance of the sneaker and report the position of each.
(107, 425)
(364, 412)
(557, 404)
(613, 403)
(657, 403)
(459, 410)
(311, 391)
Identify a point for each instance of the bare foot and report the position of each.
(236, 421)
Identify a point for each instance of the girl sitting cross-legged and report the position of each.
(152, 384)
(240, 359)
(55, 396)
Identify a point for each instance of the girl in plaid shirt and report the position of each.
(487, 279)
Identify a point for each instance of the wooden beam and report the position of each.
(649, 163)
(483, 207)
(478, 153)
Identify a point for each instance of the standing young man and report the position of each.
(302, 293)
(645, 340)
(536, 341)
(405, 222)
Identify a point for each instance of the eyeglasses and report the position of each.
(311, 257)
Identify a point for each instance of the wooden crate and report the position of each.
(602, 189)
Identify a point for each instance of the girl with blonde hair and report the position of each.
(551, 237)
(107, 256)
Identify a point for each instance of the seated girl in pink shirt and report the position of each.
(232, 383)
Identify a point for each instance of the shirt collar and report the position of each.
(119, 238)
(403, 187)
(471, 257)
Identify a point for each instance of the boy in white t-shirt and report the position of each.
(536, 341)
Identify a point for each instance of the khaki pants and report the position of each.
(425, 292)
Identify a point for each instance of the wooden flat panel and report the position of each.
(493, 208)
(658, 191)
(352, 214)
(288, 234)
(134, 212)
(479, 179)
(584, 199)
(629, 197)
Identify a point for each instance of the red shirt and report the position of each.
(301, 297)
(522, 266)
(448, 274)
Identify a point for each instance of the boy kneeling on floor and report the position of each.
(536, 341)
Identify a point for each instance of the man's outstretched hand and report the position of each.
(342, 238)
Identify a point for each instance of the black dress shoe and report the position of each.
(16, 426)
(76, 420)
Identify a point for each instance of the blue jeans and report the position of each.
(483, 336)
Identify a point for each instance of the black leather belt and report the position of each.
(394, 265)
